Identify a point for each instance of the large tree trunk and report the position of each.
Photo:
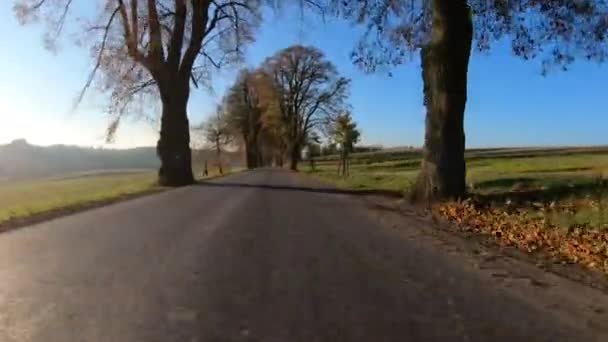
(248, 156)
(260, 162)
(280, 159)
(173, 147)
(255, 154)
(295, 157)
(251, 152)
(218, 153)
(445, 62)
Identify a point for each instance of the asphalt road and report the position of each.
(260, 256)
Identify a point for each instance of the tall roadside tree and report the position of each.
(309, 89)
(274, 139)
(246, 101)
(346, 135)
(153, 47)
(445, 31)
(216, 133)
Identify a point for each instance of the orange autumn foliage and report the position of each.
(581, 244)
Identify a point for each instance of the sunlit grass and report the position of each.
(25, 198)
(569, 178)
(483, 174)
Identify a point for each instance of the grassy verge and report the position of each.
(539, 200)
(26, 198)
(40, 199)
(485, 173)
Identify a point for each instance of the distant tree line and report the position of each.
(279, 109)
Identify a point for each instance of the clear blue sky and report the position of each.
(510, 103)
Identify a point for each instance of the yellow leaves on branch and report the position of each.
(579, 243)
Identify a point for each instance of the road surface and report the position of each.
(265, 256)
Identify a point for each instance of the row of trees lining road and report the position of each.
(276, 110)
(146, 50)
(160, 48)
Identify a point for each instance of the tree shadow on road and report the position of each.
(323, 190)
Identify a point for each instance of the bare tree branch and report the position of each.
(62, 19)
(177, 37)
(199, 22)
(134, 20)
(155, 49)
(98, 62)
(130, 39)
(152, 51)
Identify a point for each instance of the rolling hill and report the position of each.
(20, 160)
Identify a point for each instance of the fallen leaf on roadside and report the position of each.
(516, 227)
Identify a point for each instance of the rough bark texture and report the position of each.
(252, 153)
(279, 159)
(445, 63)
(173, 147)
(249, 157)
(295, 157)
(218, 152)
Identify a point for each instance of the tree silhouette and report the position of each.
(445, 31)
(246, 101)
(216, 132)
(157, 48)
(346, 135)
(309, 89)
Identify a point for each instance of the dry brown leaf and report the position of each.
(516, 227)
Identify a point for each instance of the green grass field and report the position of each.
(568, 176)
(487, 170)
(25, 198)
(565, 175)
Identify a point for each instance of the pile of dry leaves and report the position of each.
(516, 227)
